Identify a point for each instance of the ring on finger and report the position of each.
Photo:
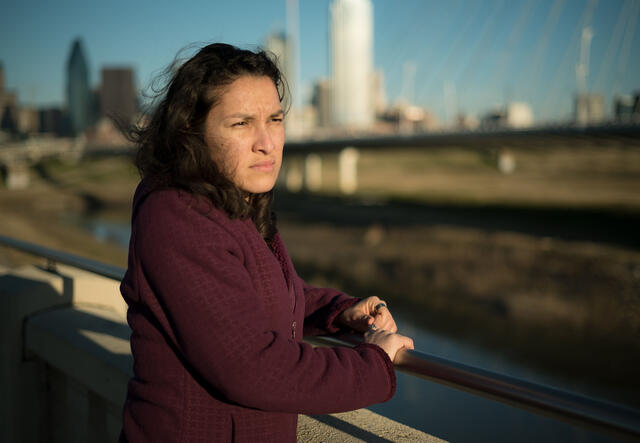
(373, 327)
(380, 306)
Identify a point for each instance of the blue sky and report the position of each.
(484, 51)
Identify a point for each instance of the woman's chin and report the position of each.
(258, 186)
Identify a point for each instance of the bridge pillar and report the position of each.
(348, 167)
(506, 161)
(294, 176)
(16, 175)
(313, 172)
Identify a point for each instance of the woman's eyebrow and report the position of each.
(248, 116)
(239, 115)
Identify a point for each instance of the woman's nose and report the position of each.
(263, 141)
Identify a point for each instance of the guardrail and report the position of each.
(54, 256)
(545, 400)
(559, 133)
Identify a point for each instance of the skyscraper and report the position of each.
(118, 94)
(1, 78)
(321, 101)
(79, 103)
(8, 106)
(285, 46)
(351, 43)
(278, 44)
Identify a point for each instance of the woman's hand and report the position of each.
(391, 343)
(370, 312)
(371, 316)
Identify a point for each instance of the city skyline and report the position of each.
(482, 54)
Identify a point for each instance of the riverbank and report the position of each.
(553, 301)
(37, 214)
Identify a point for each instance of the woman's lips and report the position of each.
(264, 166)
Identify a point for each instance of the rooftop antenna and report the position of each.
(449, 89)
(626, 44)
(582, 69)
(408, 78)
(553, 97)
(293, 52)
(614, 44)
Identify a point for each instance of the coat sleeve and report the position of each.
(194, 266)
(322, 306)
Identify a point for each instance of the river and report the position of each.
(436, 409)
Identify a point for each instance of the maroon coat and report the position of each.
(216, 318)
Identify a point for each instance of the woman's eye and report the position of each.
(239, 124)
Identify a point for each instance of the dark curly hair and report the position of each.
(171, 145)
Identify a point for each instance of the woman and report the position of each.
(216, 308)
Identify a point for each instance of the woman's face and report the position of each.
(245, 132)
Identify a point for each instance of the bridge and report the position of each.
(15, 157)
(66, 361)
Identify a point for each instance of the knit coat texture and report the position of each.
(217, 320)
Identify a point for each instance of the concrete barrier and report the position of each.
(65, 361)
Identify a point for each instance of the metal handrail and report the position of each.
(54, 256)
(564, 405)
(537, 398)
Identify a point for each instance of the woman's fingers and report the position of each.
(383, 317)
(391, 343)
(385, 321)
(369, 311)
(366, 321)
(407, 342)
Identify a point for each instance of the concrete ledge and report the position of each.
(23, 385)
(65, 362)
(88, 289)
(90, 345)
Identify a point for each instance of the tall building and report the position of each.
(53, 121)
(118, 94)
(285, 46)
(321, 101)
(351, 43)
(378, 92)
(516, 115)
(8, 106)
(626, 108)
(589, 108)
(28, 120)
(79, 102)
(278, 44)
(1, 78)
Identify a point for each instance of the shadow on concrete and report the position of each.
(87, 332)
(350, 429)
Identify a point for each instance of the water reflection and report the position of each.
(462, 417)
(113, 231)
